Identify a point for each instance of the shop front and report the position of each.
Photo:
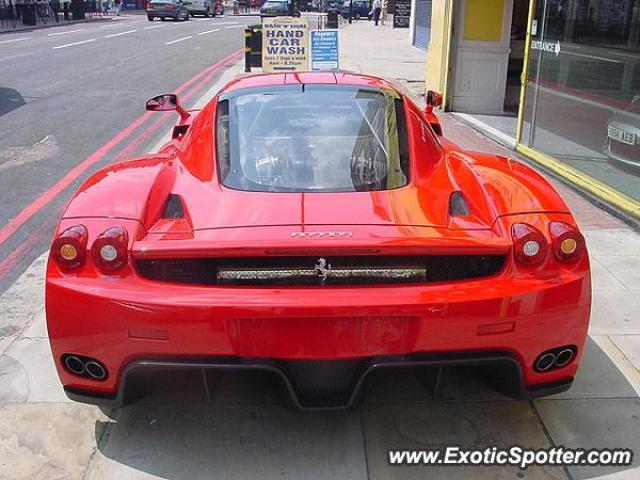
(561, 77)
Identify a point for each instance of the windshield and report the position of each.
(312, 138)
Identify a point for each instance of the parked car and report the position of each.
(359, 9)
(319, 227)
(623, 137)
(164, 9)
(277, 8)
(200, 7)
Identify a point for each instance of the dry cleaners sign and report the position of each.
(285, 44)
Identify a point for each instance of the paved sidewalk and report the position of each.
(381, 50)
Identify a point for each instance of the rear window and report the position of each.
(312, 138)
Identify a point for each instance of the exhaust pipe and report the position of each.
(564, 357)
(74, 365)
(545, 362)
(95, 370)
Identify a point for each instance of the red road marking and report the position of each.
(163, 120)
(35, 237)
(16, 222)
(20, 252)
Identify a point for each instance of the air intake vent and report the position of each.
(457, 204)
(326, 271)
(173, 208)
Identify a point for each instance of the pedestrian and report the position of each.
(376, 7)
(385, 10)
(118, 4)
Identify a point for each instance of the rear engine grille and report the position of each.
(314, 271)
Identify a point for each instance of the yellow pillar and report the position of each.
(437, 64)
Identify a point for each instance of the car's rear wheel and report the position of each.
(150, 18)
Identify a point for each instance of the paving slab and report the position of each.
(28, 367)
(465, 424)
(602, 280)
(47, 441)
(630, 347)
(604, 423)
(23, 300)
(612, 241)
(626, 268)
(614, 313)
(38, 326)
(230, 442)
(598, 377)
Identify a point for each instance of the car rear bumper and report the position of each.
(129, 323)
(503, 371)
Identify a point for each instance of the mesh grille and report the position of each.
(315, 271)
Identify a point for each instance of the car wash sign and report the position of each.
(285, 44)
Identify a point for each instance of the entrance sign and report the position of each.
(324, 50)
(402, 14)
(285, 44)
(550, 47)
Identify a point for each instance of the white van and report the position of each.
(200, 7)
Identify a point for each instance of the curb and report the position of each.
(31, 28)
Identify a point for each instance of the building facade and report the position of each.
(560, 77)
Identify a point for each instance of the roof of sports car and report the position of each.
(338, 78)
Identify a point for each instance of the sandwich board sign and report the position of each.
(285, 44)
(324, 50)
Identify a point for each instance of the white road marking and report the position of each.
(155, 26)
(209, 31)
(119, 33)
(236, 26)
(13, 40)
(65, 32)
(182, 39)
(75, 43)
(226, 23)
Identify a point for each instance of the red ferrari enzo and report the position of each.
(318, 226)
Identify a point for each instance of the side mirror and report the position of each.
(166, 103)
(434, 99)
(163, 103)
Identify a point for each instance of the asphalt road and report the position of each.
(72, 101)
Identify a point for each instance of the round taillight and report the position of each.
(568, 243)
(109, 250)
(68, 248)
(529, 245)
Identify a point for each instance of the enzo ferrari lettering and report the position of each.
(320, 234)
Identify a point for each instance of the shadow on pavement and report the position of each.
(10, 100)
(234, 426)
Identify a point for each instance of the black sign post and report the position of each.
(402, 14)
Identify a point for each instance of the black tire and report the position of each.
(163, 19)
(150, 18)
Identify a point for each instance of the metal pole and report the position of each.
(543, 31)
